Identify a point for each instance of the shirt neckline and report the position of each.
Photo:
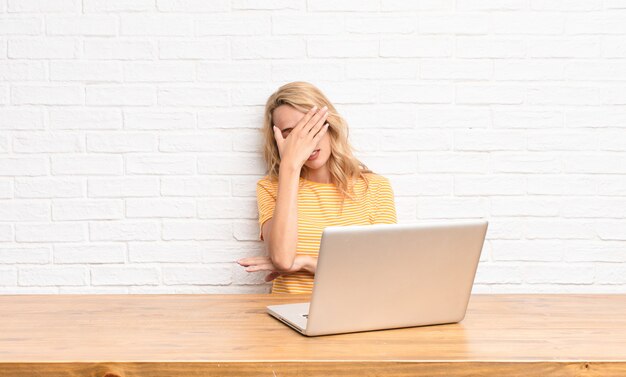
(317, 183)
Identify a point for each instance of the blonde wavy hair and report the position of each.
(344, 168)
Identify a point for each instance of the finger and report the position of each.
(261, 267)
(317, 118)
(243, 261)
(319, 122)
(272, 276)
(320, 134)
(279, 138)
(305, 123)
(278, 135)
(313, 131)
(309, 114)
(253, 260)
(257, 257)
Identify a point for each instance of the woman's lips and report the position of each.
(314, 155)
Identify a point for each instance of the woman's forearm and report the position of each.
(284, 233)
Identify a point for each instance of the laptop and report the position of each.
(386, 276)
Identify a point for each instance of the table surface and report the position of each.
(236, 327)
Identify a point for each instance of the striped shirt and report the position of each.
(319, 206)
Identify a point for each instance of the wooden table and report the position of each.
(228, 335)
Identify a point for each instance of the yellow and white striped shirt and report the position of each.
(319, 206)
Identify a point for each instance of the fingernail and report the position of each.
(314, 107)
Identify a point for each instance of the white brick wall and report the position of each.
(129, 144)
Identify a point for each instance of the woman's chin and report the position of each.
(315, 164)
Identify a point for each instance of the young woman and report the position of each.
(313, 181)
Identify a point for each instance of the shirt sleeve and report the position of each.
(266, 201)
(385, 204)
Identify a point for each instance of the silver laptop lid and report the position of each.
(394, 275)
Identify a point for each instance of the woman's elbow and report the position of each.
(283, 264)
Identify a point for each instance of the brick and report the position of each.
(52, 275)
(89, 253)
(126, 275)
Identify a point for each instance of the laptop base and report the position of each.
(293, 315)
